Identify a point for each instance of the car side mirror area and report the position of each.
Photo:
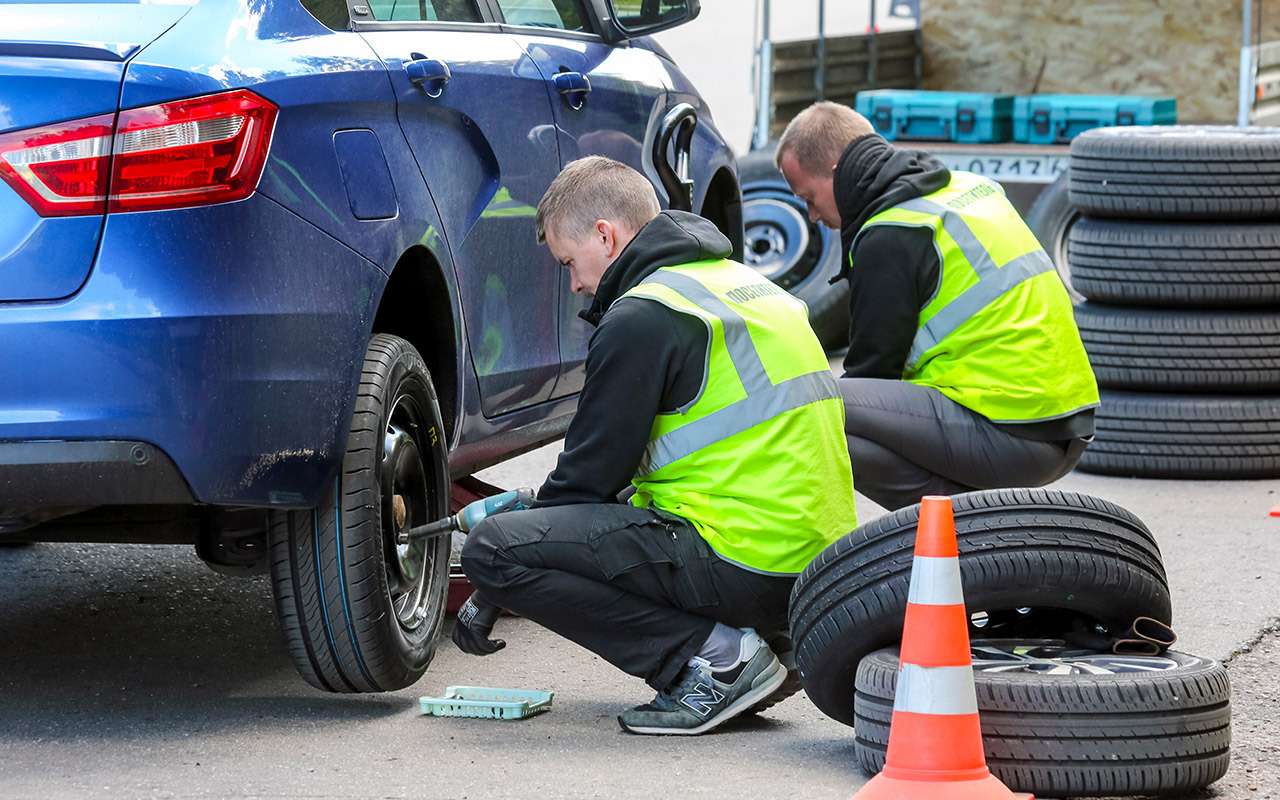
(620, 20)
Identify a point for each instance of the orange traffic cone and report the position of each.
(935, 742)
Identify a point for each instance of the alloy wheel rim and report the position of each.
(1058, 658)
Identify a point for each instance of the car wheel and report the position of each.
(1177, 172)
(1181, 350)
(1061, 721)
(1033, 562)
(1185, 264)
(1185, 436)
(359, 611)
(798, 255)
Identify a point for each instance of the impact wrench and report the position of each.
(476, 618)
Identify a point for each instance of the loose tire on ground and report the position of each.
(1185, 436)
(800, 256)
(1181, 265)
(1182, 350)
(1051, 218)
(1144, 732)
(359, 612)
(1177, 172)
(1060, 554)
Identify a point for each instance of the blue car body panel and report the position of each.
(230, 336)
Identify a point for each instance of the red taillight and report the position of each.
(184, 153)
(61, 170)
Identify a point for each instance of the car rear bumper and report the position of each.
(51, 473)
(226, 339)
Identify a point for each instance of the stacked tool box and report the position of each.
(982, 118)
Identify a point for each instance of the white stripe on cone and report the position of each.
(935, 582)
(935, 690)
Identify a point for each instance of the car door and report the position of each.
(477, 112)
(605, 99)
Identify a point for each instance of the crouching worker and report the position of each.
(965, 368)
(708, 392)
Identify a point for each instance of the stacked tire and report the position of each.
(1176, 253)
(1059, 717)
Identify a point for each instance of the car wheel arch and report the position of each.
(722, 205)
(420, 304)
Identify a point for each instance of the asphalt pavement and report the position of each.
(134, 671)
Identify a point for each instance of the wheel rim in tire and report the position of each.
(406, 502)
(779, 240)
(1041, 658)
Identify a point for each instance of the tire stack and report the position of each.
(1059, 717)
(1178, 256)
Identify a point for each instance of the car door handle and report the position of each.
(574, 86)
(431, 74)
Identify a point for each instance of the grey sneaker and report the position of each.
(702, 699)
(791, 686)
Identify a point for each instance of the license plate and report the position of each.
(1024, 168)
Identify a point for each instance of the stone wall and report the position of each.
(1189, 49)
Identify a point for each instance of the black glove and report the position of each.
(475, 622)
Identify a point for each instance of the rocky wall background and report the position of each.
(1189, 49)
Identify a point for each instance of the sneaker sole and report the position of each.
(772, 680)
(790, 687)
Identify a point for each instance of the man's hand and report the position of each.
(475, 622)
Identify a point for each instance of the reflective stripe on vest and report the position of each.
(764, 401)
(992, 282)
(998, 335)
(757, 461)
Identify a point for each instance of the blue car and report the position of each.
(269, 281)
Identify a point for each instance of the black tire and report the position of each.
(1059, 553)
(1177, 172)
(1185, 436)
(360, 613)
(1174, 351)
(1179, 265)
(798, 255)
(1080, 735)
(1051, 219)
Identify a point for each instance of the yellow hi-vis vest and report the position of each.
(757, 461)
(999, 336)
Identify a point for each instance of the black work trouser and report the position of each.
(907, 441)
(640, 590)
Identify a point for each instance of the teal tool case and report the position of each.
(1059, 118)
(917, 115)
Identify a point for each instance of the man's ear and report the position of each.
(607, 235)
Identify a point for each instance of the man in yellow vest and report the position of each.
(708, 393)
(965, 368)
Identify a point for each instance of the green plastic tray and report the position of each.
(484, 702)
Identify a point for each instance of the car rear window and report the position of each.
(424, 10)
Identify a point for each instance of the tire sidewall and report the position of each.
(409, 375)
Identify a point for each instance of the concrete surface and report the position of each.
(133, 671)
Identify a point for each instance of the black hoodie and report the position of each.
(643, 359)
(897, 269)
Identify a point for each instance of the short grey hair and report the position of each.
(819, 135)
(593, 188)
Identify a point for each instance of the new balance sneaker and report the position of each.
(702, 699)
(790, 686)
